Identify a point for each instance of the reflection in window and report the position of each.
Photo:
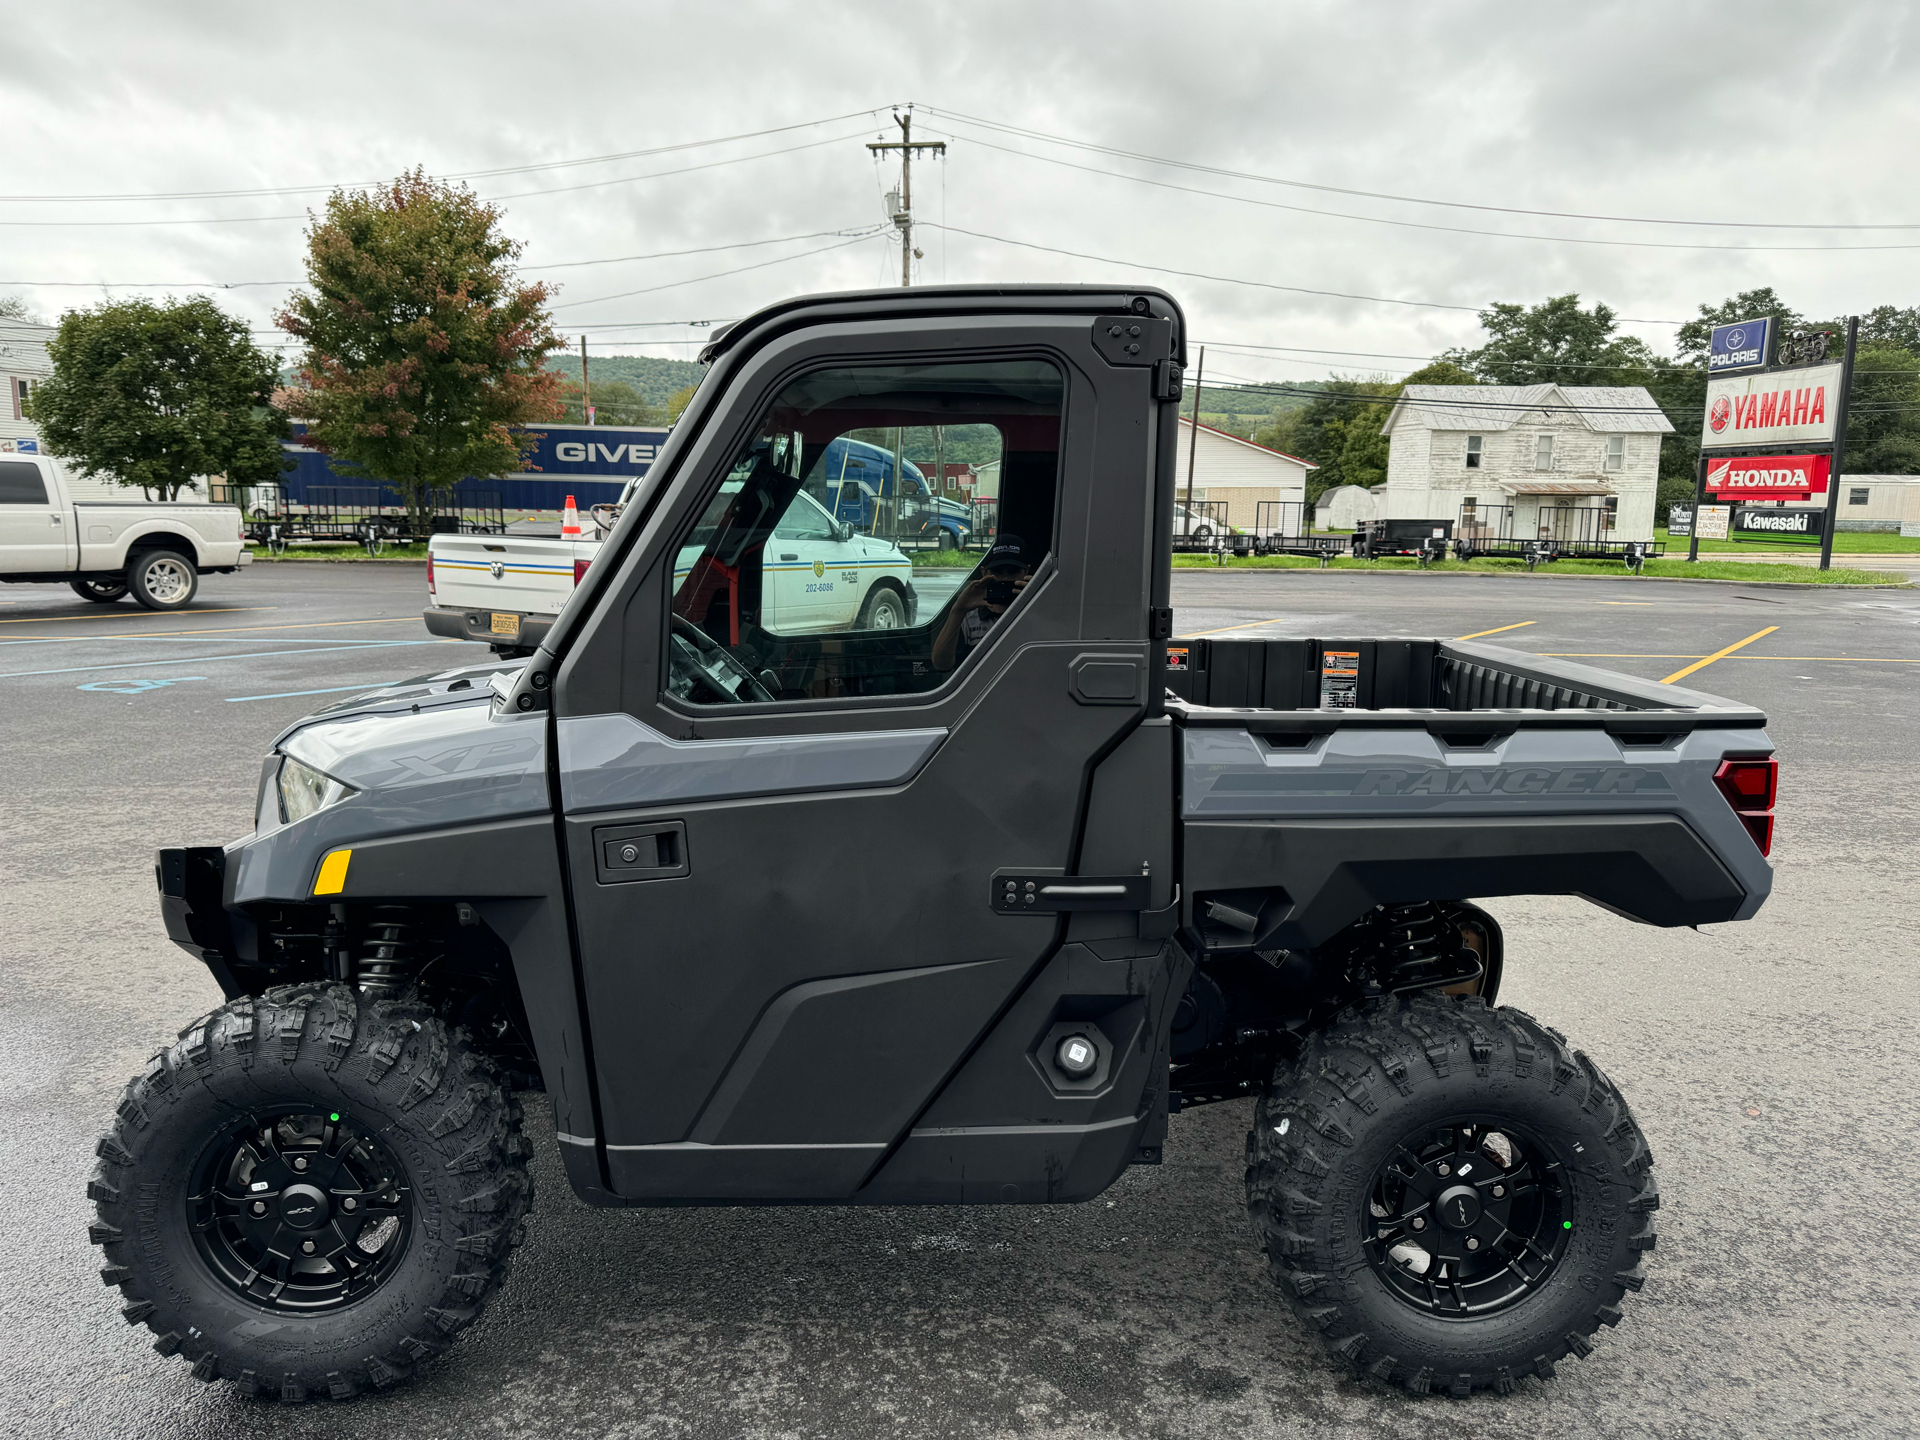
(829, 563)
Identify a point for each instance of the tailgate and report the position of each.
(522, 575)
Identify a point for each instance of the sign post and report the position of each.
(1840, 440)
(1700, 497)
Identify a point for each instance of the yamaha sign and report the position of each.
(1743, 345)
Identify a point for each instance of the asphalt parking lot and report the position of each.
(1773, 1065)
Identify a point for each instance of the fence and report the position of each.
(1556, 531)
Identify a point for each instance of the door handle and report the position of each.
(790, 555)
(1017, 892)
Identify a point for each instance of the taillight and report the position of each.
(580, 569)
(430, 573)
(1749, 787)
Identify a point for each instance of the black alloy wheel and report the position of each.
(299, 1212)
(1466, 1218)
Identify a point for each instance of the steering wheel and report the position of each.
(695, 661)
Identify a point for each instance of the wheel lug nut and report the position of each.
(1417, 1224)
(348, 1203)
(1473, 1243)
(1444, 1168)
(300, 1163)
(260, 1208)
(307, 1247)
(1497, 1192)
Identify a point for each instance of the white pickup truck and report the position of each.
(820, 575)
(105, 549)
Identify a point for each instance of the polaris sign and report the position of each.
(1740, 346)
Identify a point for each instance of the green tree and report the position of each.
(1554, 342)
(13, 307)
(1883, 404)
(679, 401)
(424, 352)
(1691, 340)
(155, 394)
(1339, 430)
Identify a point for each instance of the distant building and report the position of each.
(1466, 452)
(23, 365)
(1344, 507)
(1240, 474)
(1878, 502)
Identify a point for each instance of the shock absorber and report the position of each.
(387, 954)
(1417, 947)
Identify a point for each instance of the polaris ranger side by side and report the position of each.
(954, 912)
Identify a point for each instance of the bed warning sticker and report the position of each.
(1177, 657)
(1340, 679)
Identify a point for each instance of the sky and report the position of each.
(1786, 131)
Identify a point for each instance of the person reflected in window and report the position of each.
(982, 601)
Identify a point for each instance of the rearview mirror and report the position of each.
(843, 530)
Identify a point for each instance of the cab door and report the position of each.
(786, 852)
(34, 525)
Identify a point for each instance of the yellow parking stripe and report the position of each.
(136, 614)
(1496, 631)
(231, 629)
(1708, 660)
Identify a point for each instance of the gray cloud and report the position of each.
(1760, 111)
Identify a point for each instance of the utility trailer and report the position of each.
(1424, 538)
(1561, 532)
(1286, 527)
(965, 910)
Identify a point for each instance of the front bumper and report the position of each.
(193, 895)
(528, 630)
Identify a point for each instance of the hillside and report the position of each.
(654, 378)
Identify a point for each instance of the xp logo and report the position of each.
(820, 569)
(1719, 416)
(497, 569)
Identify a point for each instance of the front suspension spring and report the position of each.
(387, 955)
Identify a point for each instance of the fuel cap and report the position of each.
(1077, 1056)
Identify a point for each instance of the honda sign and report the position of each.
(1768, 477)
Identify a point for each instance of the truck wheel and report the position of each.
(1448, 1194)
(309, 1193)
(886, 609)
(162, 579)
(100, 592)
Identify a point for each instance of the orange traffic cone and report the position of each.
(570, 521)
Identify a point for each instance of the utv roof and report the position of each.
(904, 302)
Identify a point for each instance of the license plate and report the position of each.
(506, 624)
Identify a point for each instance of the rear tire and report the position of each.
(1532, 1128)
(100, 592)
(162, 579)
(371, 1132)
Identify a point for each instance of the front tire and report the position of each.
(100, 592)
(885, 609)
(309, 1193)
(1448, 1194)
(162, 579)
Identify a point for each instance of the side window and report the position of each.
(824, 565)
(1474, 452)
(1544, 452)
(1617, 451)
(20, 483)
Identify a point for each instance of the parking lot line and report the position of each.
(324, 690)
(135, 614)
(209, 630)
(197, 659)
(1708, 660)
(1496, 631)
(1244, 625)
(1640, 655)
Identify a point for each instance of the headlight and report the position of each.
(304, 790)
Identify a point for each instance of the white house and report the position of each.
(1463, 452)
(1241, 475)
(23, 365)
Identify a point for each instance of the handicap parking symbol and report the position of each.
(135, 687)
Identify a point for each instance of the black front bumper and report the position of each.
(193, 884)
(479, 625)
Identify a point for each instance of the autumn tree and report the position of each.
(424, 351)
(155, 394)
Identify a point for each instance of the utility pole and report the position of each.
(1840, 441)
(1194, 440)
(901, 208)
(586, 396)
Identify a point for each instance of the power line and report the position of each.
(517, 195)
(1410, 224)
(738, 270)
(1677, 368)
(453, 175)
(1405, 199)
(1258, 284)
(555, 265)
